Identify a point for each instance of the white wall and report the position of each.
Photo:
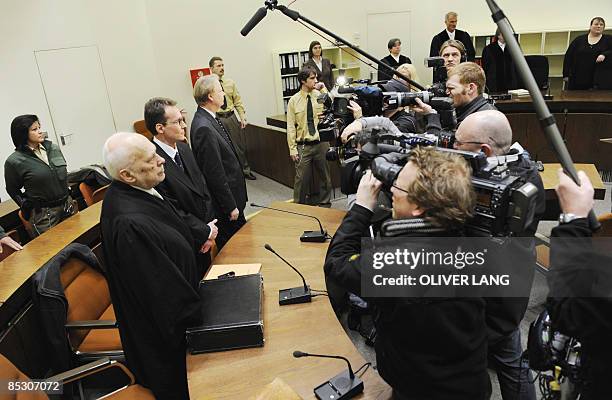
(119, 28)
(148, 46)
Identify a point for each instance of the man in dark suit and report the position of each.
(184, 185)
(451, 32)
(394, 59)
(217, 158)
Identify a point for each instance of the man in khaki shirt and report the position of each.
(305, 148)
(228, 117)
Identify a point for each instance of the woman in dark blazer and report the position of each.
(322, 65)
(588, 60)
(38, 166)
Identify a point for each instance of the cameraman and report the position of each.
(490, 132)
(580, 282)
(465, 85)
(430, 348)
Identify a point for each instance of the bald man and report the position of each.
(151, 267)
(489, 131)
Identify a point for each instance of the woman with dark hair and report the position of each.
(322, 65)
(38, 167)
(588, 60)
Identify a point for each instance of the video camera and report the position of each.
(505, 201)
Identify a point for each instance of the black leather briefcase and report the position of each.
(231, 314)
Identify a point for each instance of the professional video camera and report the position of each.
(505, 201)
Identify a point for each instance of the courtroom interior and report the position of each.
(300, 199)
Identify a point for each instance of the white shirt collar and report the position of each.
(151, 191)
(451, 35)
(502, 45)
(171, 151)
(210, 112)
(395, 58)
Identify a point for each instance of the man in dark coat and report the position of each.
(151, 268)
(426, 348)
(394, 59)
(217, 158)
(451, 32)
(498, 66)
(184, 186)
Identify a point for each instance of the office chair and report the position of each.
(540, 69)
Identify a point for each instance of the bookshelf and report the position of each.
(288, 63)
(552, 44)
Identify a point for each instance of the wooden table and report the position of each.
(311, 327)
(550, 178)
(17, 268)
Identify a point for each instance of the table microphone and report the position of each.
(345, 385)
(308, 236)
(296, 295)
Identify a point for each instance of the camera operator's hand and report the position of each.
(356, 109)
(574, 199)
(367, 192)
(319, 85)
(350, 130)
(422, 108)
(295, 158)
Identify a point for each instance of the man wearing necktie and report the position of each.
(217, 157)
(305, 147)
(226, 115)
(184, 185)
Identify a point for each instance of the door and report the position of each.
(385, 26)
(76, 93)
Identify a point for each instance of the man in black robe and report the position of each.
(394, 60)
(184, 186)
(451, 32)
(498, 66)
(151, 267)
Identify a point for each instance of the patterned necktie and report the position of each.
(224, 106)
(178, 161)
(225, 132)
(310, 117)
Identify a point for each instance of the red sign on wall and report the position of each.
(198, 72)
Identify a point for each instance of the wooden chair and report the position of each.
(90, 195)
(10, 373)
(543, 248)
(141, 127)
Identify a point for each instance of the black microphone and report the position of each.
(296, 295)
(345, 385)
(255, 19)
(307, 236)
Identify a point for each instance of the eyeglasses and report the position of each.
(399, 188)
(460, 143)
(177, 122)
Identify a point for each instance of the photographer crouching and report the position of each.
(426, 348)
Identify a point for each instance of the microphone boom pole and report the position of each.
(547, 121)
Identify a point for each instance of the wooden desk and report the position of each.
(311, 327)
(572, 101)
(17, 268)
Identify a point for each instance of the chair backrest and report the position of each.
(606, 225)
(99, 194)
(10, 373)
(87, 192)
(87, 293)
(26, 224)
(141, 127)
(540, 70)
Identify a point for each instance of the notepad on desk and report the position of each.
(238, 270)
(519, 92)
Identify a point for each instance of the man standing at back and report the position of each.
(184, 186)
(218, 159)
(305, 146)
(394, 60)
(226, 115)
(451, 32)
(151, 269)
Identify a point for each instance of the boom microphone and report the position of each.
(307, 236)
(255, 19)
(342, 386)
(296, 295)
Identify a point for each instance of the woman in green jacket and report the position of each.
(38, 167)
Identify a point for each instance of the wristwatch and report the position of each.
(565, 218)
